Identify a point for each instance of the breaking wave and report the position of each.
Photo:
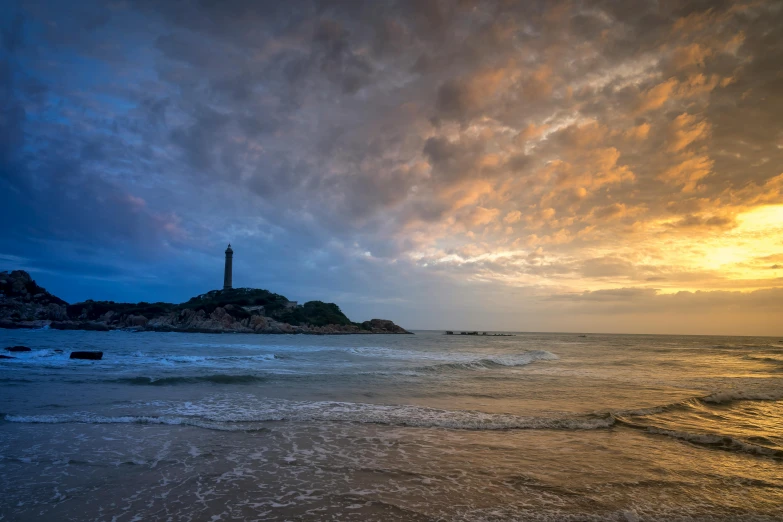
(83, 418)
(701, 420)
(492, 362)
(728, 396)
(213, 379)
(455, 360)
(218, 415)
(724, 397)
(709, 440)
(251, 414)
(463, 362)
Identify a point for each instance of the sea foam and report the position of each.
(227, 414)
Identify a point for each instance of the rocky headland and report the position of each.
(24, 304)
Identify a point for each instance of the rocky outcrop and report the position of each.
(24, 304)
(18, 349)
(222, 320)
(89, 356)
(383, 326)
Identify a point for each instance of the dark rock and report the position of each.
(383, 326)
(78, 325)
(6, 357)
(24, 304)
(92, 356)
(17, 349)
(137, 320)
(14, 325)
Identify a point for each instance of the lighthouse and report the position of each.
(228, 269)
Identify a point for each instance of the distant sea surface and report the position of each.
(172, 426)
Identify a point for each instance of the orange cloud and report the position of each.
(655, 97)
(639, 133)
(587, 134)
(692, 55)
(530, 132)
(694, 85)
(613, 211)
(602, 168)
(688, 172)
(685, 130)
(697, 84)
(465, 96)
(482, 216)
(512, 217)
(467, 193)
(538, 85)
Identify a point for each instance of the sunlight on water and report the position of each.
(533, 427)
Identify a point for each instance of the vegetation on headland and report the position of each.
(25, 304)
(316, 313)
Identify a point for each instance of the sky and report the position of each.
(593, 166)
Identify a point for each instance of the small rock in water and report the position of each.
(6, 357)
(58, 351)
(17, 349)
(92, 356)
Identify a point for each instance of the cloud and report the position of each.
(531, 132)
(464, 97)
(512, 217)
(596, 168)
(352, 146)
(688, 172)
(613, 211)
(482, 216)
(691, 55)
(685, 130)
(639, 132)
(655, 97)
(695, 221)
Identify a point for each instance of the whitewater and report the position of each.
(425, 427)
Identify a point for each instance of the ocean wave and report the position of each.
(197, 379)
(764, 359)
(710, 440)
(492, 362)
(218, 415)
(205, 358)
(248, 413)
(723, 397)
(683, 405)
(712, 421)
(395, 415)
(727, 396)
(38, 354)
(86, 418)
(456, 359)
(61, 358)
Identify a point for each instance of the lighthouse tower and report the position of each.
(227, 272)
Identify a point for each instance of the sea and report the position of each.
(534, 426)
